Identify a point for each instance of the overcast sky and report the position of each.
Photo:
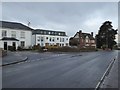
(62, 16)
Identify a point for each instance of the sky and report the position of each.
(62, 16)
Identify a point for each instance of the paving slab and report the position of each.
(111, 80)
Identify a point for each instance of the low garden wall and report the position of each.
(2, 52)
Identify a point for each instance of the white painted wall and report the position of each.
(48, 40)
(27, 39)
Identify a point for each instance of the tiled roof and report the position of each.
(86, 34)
(49, 32)
(14, 25)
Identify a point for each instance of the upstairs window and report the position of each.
(41, 38)
(46, 37)
(4, 33)
(38, 39)
(13, 34)
(63, 40)
(22, 35)
(57, 38)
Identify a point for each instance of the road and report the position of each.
(58, 70)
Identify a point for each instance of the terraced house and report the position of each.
(15, 34)
(49, 38)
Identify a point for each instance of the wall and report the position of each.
(51, 42)
(28, 36)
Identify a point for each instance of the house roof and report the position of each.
(9, 39)
(49, 32)
(14, 25)
(89, 35)
(86, 34)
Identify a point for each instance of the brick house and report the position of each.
(83, 40)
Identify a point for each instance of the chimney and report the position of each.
(80, 31)
(92, 33)
(80, 38)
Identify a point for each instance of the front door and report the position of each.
(14, 45)
(5, 45)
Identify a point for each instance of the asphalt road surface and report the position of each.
(58, 70)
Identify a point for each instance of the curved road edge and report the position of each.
(15, 62)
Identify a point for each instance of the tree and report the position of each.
(73, 41)
(106, 36)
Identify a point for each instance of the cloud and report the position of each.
(66, 16)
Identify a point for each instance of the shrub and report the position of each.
(37, 47)
(11, 48)
(19, 48)
(71, 49)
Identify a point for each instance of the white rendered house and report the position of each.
(15, 34)
(50, 38)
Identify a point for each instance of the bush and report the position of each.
(19, 48)
(11, 48)
(37, 47)
(71, 49)
(64, 49)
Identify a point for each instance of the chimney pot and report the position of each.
(92, 33)
(80, 31)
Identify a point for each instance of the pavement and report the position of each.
(13, 58)
(111, 80)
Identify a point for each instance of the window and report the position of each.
(55, 33)
(22, 43)
(63, 39)
(52, 33)
(66, 38)
(42, 44)
(57, 38)
(38, 44)
(41, 38)
(41, 32)
(13, 34)
(59, 33)
(60, 39)
(66, 44)
(38, 38)
(22, 35)
(87, 40)
(49, 33)
(45, 32)
(53, 39)
(4, 33)
(60, 44)
(50, 38)
(46, 37)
